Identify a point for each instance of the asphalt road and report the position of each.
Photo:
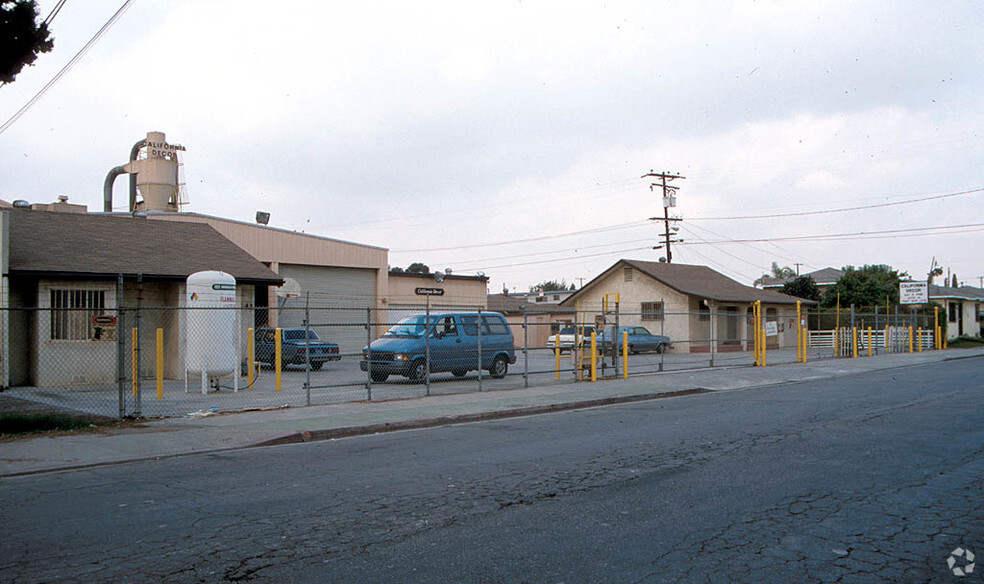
(871, 478)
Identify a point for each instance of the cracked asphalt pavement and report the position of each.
(869, 478)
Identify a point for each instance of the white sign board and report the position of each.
(913, 293)
(771, 328)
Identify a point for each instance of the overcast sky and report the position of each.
(511, 137)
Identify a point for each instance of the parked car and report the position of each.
(569, 335)
(294, 348)
(640, 339)
(453, 341)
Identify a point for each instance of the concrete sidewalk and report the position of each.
(183, 436)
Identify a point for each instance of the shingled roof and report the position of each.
(45, 243)
(701, 282)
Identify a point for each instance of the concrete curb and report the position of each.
(350, 431)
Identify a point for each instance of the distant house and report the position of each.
(824, 279)
(963, 309)
(700, 309)
(542, 320)
(61, 270)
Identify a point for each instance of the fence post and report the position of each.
(478, 324)
(307, 346)
(160, 363)
(625, 354)
(427, 347)
(137, 405)
(369, 353)
(526, 354)
(277, 354)
(120, 348)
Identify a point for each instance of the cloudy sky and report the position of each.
(511, 137)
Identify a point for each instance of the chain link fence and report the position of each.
(168, 361)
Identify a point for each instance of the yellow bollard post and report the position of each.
(885, 339)
(799, 332)
(625, 354)
(134, 360)
(854, 341)
(910, 338)
(250, 356)
(160, 363)
(936, 326)
(594, 356)
(755, 332)
(869, 341)
(557, 358)
(757, 312)
(837, 349)
(806, 341)
(919, 339)
(278, 352)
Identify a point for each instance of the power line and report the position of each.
(616, 227)
(942, 230)
(54, 12)
(78, 56)
(585, 256)
(841, 210)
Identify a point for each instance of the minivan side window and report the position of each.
(495, 325)
(470, 324)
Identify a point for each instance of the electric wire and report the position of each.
(54, 12)
(841, 210)
(78, 56)
(857, 235)
(604, 229)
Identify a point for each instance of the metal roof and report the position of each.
(52, 244)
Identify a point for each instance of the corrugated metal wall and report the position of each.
(330, 287)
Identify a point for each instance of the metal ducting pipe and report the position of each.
(108, 187)
(133, 177)
(115, 172)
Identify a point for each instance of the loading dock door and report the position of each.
(339, 298)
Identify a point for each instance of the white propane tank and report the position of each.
(210, 334)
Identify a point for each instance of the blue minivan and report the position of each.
(453, 340)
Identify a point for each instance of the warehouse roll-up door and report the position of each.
(339, 298)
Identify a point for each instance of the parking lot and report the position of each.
(343, 381)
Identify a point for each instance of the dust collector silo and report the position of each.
(210, 327)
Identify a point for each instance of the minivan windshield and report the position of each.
(411, 326)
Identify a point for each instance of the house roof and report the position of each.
(824, 277)
(518, 305)
(45, 243)
(699, 281)
(963, 292)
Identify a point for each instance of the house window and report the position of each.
(954, 307)
(627, 273)
(704, 311)
(652, 310)
(72, 311)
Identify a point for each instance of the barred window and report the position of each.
(652, 310)
(954, 308)
(72, 312)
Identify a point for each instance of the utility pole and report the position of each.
(669, 200)
(798, 269)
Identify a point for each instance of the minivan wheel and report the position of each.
(459, 372)
(499, 367)
(417, 370)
